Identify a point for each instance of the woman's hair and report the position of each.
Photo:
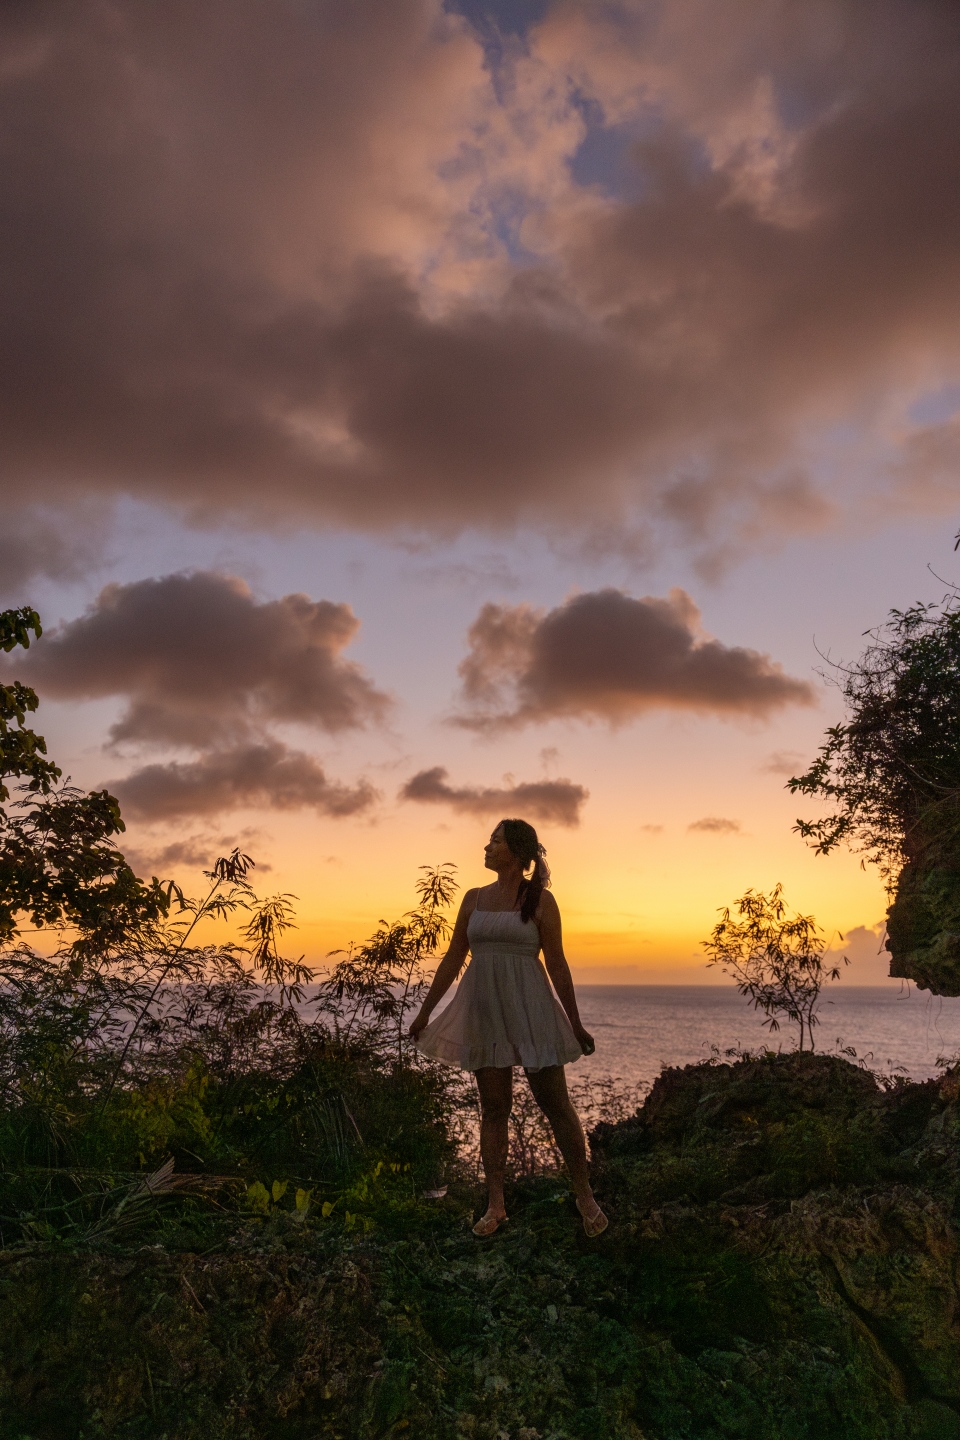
(521, 840)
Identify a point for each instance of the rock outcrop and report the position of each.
(923, 923)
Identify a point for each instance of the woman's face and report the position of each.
(497, 854)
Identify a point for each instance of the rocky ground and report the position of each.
(782, 1263)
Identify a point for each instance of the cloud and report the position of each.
(192, 852)
(36, 541)
(556, 801)
(203, 665)
(925, 472)
(604, 655)
(334, 264)
(264, 775)
(715, 825)
(784, 762)
(202, 662)
(869, 960)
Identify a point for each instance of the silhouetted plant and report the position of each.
(892, 769)
(57, 860)
(371, 990)
(775, 958)
(157, 955)
(22, 751)
(72, 1035)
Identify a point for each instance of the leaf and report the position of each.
(258, 1197)
(279, 1190)
(326, 1209)
(303, 1201)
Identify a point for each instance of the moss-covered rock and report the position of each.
(781, 1265)
(923, 924)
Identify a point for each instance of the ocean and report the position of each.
(641, 1028)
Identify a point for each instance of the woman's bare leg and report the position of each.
(496, 1099)
(549, 1088)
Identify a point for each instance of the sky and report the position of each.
(418, 413)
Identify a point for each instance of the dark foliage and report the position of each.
(892, 770)
(210, 1059)
(891, 774)
(21, 751)
(781, 1264)
(58, 862)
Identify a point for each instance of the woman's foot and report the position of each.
(594, 1220)
(488, 1223)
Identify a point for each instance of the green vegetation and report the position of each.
(891, 774)
(236, 1205)
(781, 1264)
(209, 1056)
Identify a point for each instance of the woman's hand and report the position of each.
(586, 1042)
(418, 1026)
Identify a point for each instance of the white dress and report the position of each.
(504, 1012)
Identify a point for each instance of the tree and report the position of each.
(21, 751)
(58, 862)
(891, 771)
(775, 958)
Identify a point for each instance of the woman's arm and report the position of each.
(449, 967)
(551, 938)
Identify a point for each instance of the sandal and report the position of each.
(488, 1223)
(595, 1224)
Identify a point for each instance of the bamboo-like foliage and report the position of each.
(158, 957)
(372, 989)
(71, 1033)
(775, 958)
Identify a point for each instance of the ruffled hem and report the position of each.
(500, 1055)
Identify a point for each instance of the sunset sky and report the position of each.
(415, 414)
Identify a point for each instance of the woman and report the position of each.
(504, 1013)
